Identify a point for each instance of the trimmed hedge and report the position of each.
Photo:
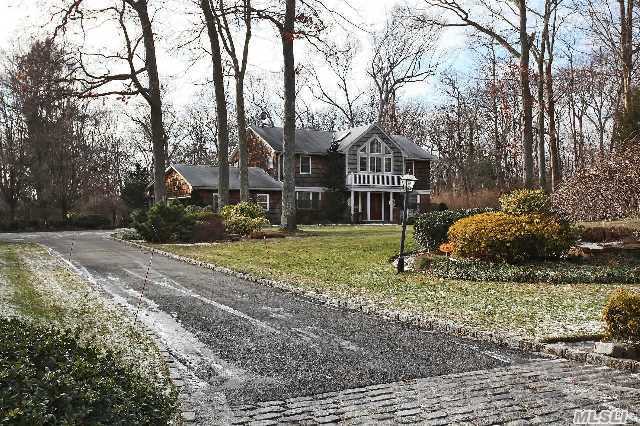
(511, 238)
(48, 377)
(558, 272)
(622, 316)
(431, 228)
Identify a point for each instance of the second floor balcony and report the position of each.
(374, 179)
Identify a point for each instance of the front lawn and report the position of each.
(353, 261)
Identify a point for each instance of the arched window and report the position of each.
(375, 157)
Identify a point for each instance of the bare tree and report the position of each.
(285, 24)
(340, 62)
(400, 57)
(13, 149)
(96, 83)
(239, 65)
(462, 18)
(211, 23)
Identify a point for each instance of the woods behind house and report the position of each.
(539, 93)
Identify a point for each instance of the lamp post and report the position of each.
(408, 181)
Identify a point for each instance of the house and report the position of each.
(373, 164)
(201, 182)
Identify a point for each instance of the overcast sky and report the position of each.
(20, 19)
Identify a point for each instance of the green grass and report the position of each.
(353, 261)
(24, 297)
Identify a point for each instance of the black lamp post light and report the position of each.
(408, 181)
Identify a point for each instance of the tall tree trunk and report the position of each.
(289, 156)
(497, 140)
(554, 142)
(243, 153)
(527, 99)
(554, 148)
(542, 170)
(155, 102)
(221, 104)
(626, 50)
(239, 67)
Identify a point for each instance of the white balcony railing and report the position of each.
(373, 179)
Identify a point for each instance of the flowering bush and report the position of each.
(510, 238)
(622, 316)
(525, 201)
(431, 228)
(609, 189)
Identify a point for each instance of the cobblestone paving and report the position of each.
(540, 392)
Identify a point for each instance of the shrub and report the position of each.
(243, 225)
(129, 235)
(89, 221)
(163, 222)
(198, 213)
(244, 209)
(608, 189)
(525, 201)
(622, 316)
(48, 377)
(504, 237)
(210, 229)
(431, 228)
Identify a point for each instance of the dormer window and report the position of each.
(375, 157)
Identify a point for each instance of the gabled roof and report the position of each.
(206, 177)
(411, 150)
(307, 141)
(318, 141)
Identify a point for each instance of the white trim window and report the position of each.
(305, 164)
(308, 200)
(410, 167)
(375, 157)
(263, 201)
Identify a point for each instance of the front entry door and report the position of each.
(376, 206)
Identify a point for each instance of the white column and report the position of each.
(391, 207)
(353, 204)
(382, 195)
(368, 205)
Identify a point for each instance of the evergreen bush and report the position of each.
(430, 229)
(622, 316)
(164, 222)
(48, 377)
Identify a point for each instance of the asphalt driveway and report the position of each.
(246, 343)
